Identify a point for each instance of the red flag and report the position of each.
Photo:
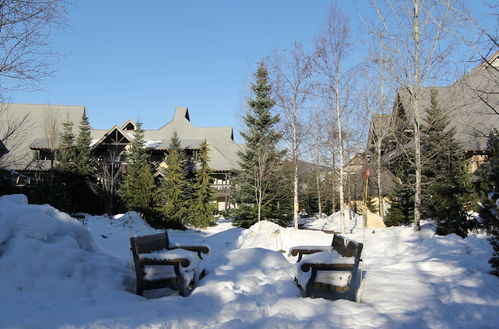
(367, 173)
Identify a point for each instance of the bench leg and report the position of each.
(182, 289)
(140, 286)
(310, 283)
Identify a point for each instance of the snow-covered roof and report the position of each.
(31, 136)
(223, 148)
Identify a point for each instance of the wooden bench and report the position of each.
(334, 269)
(159, 263)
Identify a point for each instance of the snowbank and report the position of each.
(353, 222)
(55, 274)
(47, 258)
(113, 234)
(271, 236)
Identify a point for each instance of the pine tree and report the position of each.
(61, 184)
(174, 204)
(488, 190)
(202, 206)
(444, 173)
(83, 151)
(260, 162)
(66, 152)
(139, 191)
(402, 199)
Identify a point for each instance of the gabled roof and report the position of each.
(33, 120)
(129, 125)
(467, 103)
(114, 136)
(223, 149)
(181, 113)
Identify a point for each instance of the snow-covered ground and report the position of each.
(57, 273)
(353, 222)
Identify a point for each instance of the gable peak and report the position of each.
(181, 113)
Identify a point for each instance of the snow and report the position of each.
(353, 222)
(327, 257)
(336, 278)
(194, 270)
(58, 273)
(152, 144)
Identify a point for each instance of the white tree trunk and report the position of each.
(417, 136)
(296, 205)
(259, 206)
(378, 177)
(341, 151)
(318, 182)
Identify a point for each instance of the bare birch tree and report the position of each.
(25, 56)
(291, 79)
(25, 53)
(413, 35)
(318, 144)
(483, 40)
(331, 55)
(108, 177)
(51, 132)
(481, 34)
(332, 155)
(374, 101)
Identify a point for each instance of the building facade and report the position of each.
(34, 142)
(471, 104)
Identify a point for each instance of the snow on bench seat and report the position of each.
(194, 265)
(332, 268)
(327, 258)
(156, 260)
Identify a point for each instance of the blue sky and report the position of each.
(140, 59)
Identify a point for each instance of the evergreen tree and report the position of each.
(202, 206)
(371, 206)
(401, 211)
(444, 173)
(174, 204)
(139, 191)
(83, 151)
(260, 162)
(488, 191)
(59, 187)
(66, 151)
(80, 181)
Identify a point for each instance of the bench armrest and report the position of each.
(307, 250)
(199, 249)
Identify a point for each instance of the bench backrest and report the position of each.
(346, 247)
(149, 243)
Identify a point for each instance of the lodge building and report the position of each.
(31, 148)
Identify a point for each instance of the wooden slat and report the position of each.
(305, 267)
